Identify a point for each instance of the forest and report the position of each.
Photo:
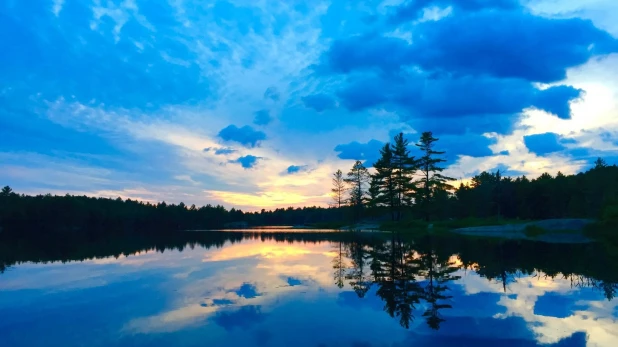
(398, 186)
(30, 214)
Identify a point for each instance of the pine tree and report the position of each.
(374, 199)
(600, 163)
(403, 173)
(432, 180)
(384, 179)
(357, 179)
(338, 190)
(6, 191)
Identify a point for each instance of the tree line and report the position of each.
(23, 214)
(415, 187)
(590, 194)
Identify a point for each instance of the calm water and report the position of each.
(278, 289)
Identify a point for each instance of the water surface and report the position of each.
(299, 289)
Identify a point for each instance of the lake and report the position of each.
(299, 288)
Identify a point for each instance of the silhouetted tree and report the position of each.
(339, 265)
(432, 180)
(357, 179)
(6, 191)
(384, 181)
(358, 276)
(338, 190)
(394, 274)
(600, 163)
(374, 198)
(437, 273)
(403, 173)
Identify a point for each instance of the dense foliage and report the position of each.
(584, 195)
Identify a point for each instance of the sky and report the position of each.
(254, 104)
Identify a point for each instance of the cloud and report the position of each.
(368, 152)
(319, 102)
(363, 94)
(262, 117)
(413, 9)
(95, 59)
(556, 100)
(294, 169)
(248, 161)
(57, 7)
(488, 75)
(272, 93)
(292, 281)
(518, 45)
(244, 318)
(366, 52)
(247, 291)
(473, 145)
(220, 150)
(421, 97)
(553, 304)
(222, 302)
(542, 144)
(246, 135)
(224, 151)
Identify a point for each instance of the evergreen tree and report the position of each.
(359, 274)
(6, 191)
(338, 190)
(357, 179)
(385, 180)
(374, 200)
(403, 173)
(432, 179)
(339, 265)
(600, 163)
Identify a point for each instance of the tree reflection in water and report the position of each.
(411, 275)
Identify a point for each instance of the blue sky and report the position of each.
(254, 104)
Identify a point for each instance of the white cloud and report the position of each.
(57, 7)
(596, 319)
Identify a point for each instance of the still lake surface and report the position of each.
(293, 288)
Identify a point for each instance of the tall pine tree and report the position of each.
(357, 179)
(403, 166)
(374, 198)
(384, 180)
(432, 179)
(338, 190)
